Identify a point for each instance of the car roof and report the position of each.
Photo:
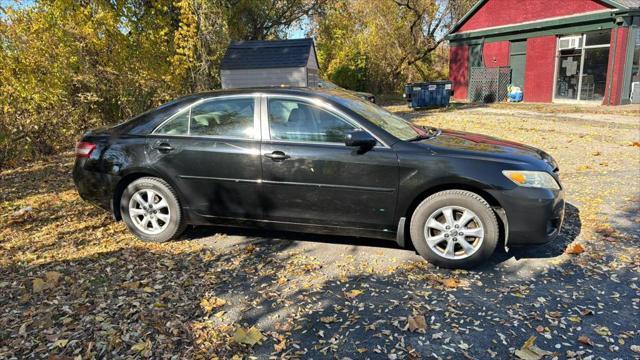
(299, 91)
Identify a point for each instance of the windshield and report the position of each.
(328, 85)
(389, 122)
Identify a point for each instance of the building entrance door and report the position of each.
(517, 61)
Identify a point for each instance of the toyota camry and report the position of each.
(319, 161)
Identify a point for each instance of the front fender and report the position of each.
(421, 176)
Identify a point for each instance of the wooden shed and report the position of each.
(270, 63)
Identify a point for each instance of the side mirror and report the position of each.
(360, 139)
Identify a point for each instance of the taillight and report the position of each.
(84, 149)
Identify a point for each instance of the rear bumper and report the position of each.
(534, 216)
(93, 186)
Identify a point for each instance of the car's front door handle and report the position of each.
(277, 156)
(163, 147)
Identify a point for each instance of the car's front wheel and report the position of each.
(150, 209)
(454, 229)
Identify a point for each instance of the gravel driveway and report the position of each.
(74, 283)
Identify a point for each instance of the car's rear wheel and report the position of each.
(151, 210)
(454, 229)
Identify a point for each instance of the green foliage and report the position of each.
(400, 40)
(66, 68)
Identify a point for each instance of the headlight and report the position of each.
(534, 179)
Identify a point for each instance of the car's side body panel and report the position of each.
(332, 185)
(218, 177)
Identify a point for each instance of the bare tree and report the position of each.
(263, 19)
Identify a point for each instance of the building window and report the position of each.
(582, 66)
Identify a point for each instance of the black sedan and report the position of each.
(320, 161)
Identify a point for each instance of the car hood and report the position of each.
(471, 144)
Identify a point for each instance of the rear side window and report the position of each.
(224, 117)
(179, 125)
(299, 121)
(233, 118)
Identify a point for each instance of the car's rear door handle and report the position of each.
(277, 156)
(163, 147)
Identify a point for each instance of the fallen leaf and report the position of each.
(52, 277)
(529, 351)
(574, 249)
(450, 282)
(139, 347)
(210, 303)
(60, 343)
(328, 319)
(22, 211)
(249, 249)
(585, 340)
(602, 331)
(23, 330)
(575, 319)
(417, 322)
(635, 348)
(148, 289)
(554, 314)
(249, 336)
(280, 346)
(586, 312)
(131, 285)
(38, 285)
(353, 293)
(361, 350)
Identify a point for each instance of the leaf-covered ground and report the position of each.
(74, 284)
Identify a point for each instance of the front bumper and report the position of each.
(534, 216)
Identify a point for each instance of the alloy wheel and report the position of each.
(454, 232)
(149, 211)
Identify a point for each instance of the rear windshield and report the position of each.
(145, 122)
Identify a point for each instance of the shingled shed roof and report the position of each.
(258, 54)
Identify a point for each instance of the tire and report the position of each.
(479, 232)
(165, 216)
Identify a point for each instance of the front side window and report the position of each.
(222, 117)
(300, 121)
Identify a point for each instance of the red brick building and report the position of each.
(555, 50)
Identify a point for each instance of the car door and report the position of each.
(211, 151)
(310, 176)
